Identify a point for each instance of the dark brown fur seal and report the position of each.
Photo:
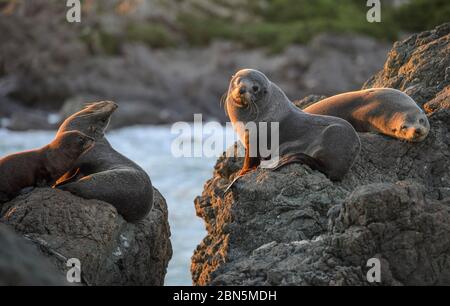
(103, 173)
(327, 144)
(382, 110)
(41, 167)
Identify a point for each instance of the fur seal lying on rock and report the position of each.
(383, 110)
(324, 143)
(103, 173)
(41, 167)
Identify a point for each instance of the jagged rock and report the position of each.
(111, 251)
(296, 227)
(441, 101)
(419, 65)
(394, 223)
(21, 264)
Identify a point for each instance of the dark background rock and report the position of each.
(21, 264)
(296, 227)
(111, 251)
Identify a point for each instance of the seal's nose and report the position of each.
(418, 132)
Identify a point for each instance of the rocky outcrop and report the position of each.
(111, 251)
(21, 264)
(296, 227)
(419, 65)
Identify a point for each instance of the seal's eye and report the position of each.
(422, 121)
(255, 88)
(403, 127)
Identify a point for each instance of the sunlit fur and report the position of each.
(410, 127)
(383, 110)
(92, 120)
(242, 93)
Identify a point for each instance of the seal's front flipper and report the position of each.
(250, 163)
(300, 158)
(67, 178)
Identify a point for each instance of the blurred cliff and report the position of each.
(162, 61)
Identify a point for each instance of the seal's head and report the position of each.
(412, 126)
(248, 91)
(92, 120)
(71, 144)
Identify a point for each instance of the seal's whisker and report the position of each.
(253, 103)
(223, 101)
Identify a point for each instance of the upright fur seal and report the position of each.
(41, 167)
(327, 144)
(103, 173)
(384, 110)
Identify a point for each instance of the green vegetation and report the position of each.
(278, 23)
(423, 14)
(155, 35)
(274, 24)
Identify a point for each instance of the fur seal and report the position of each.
(41, 167)
(384, 110)
(103, 173)
(324, 143)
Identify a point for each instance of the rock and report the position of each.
(296, 227)
(307, 101)
(21, 264)
(17, 117)
(129, 112)
(441, 101)
(394, 223)
(111, 251)
(419, 65)
(29, 119)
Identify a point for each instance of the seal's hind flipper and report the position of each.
(300, 158)
(67, 178)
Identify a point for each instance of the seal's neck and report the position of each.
(277, 105)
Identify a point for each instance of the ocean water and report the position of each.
(179, 180)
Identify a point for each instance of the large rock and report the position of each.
(111, 251)
(21, 264)
(419, 65)
(296, 227)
